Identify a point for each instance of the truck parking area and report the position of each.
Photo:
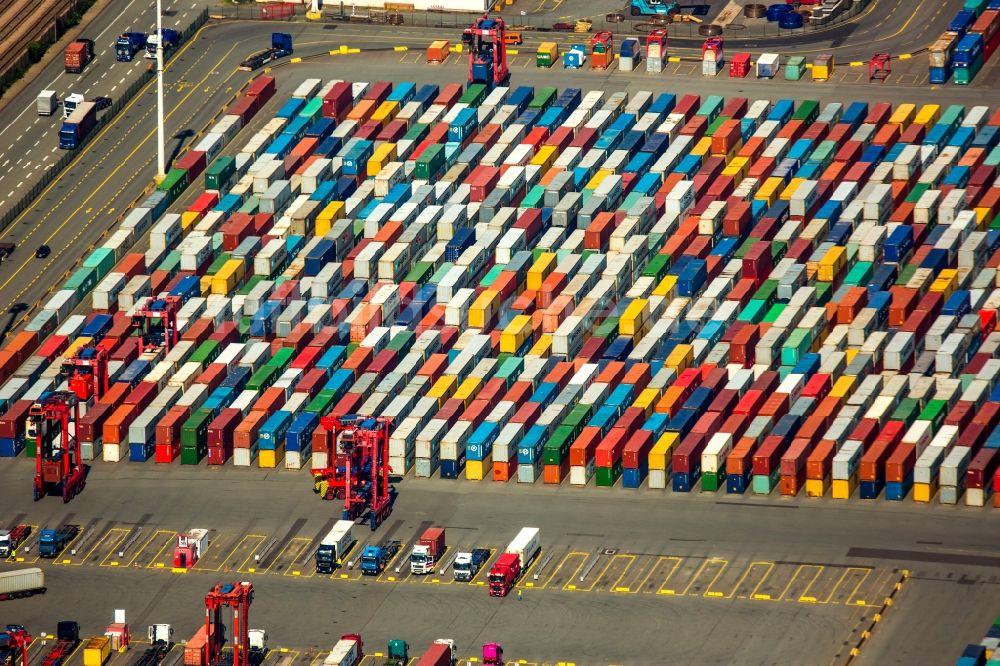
(571, 564)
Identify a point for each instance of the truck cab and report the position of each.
(398, 653)
(11, 539)
(52, 542)
(160, 633)
(427, 551)
(128, 44)
(171, 38)
(492, 654)
(335, 546)
(653, 8)
(374, 559)
(504, 574)
(190, 547)
(467, 565)
(258, 646)
(71, 102)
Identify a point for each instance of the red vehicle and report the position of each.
(10, 540)
(504, 574)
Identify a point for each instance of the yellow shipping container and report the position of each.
(205, 284)
(789, 190)
(443, 388)
(96, 651)
(74, 347)
(981, 215)
(330, 214)
(850, 353)
(903, 115)
(946, 282)
(383, 154)
(832, 263)
(385, 112)
(229, 276)
(737, 168)
(659, 455)
(544, 158)
(647, 398)
(484, 309)
(517, 333)
(189, 218)
(634, 318)
(703, 146)
(540, 270)
(817, 487)
(928, 115)
(680, 358)
(269, 459)
(477, 470)
(925, 492)
(468, 389)
(597, 178)
(666, 287)
(843, 387)
(843, 488)
(769, 190)
(543, 347)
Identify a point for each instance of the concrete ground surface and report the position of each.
(775, 581)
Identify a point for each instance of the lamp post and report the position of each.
(161, 165)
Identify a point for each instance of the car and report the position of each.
(42, 251)
(102, 102)
(6, 249)
(513, 38)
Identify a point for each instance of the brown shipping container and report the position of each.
(90, 425)
(222, 428)
(246, 432)
(168, 429)
(15, 419)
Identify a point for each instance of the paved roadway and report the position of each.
(774, 580)
(32, 143)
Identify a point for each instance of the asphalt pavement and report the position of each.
(32, 141)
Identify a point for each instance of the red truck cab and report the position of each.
(504, 574)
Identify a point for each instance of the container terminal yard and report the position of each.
(475, 341)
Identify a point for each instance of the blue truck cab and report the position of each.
(374, 559)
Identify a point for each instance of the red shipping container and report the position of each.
(527, 413)
(637, 448)
(768, 455)
(982, 466)
(793, 461)
(193, 161)
(609, 451)
(687, 456)
(581, 452)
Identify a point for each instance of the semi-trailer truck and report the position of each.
(11, 539)
(335, 546)
(349, 651)
(281, 46)
(21, 583)
(77, 55)
(76, 128)
(52, 542)
(374, 559)
(467, 565)
(171, 38)
(128, 44)
(442, 652)
(427, 551)
(514, 561)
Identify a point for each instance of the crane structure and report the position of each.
(155, 320)
(58, 468)
(357, 467)
(238, 597)
(87, 373)
(486, 41)
(14, 642)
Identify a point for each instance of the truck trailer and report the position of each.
(47, 102)
(12, 538)
(79, 124)
(21, 583)
(514, 561)
(77, 55)
(427, 551)
(335, 546)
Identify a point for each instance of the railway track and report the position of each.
(24, 21)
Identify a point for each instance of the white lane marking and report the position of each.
(113, 88)
(18, 186)
(37, 142)
(52, 84)
(53, 149)
(123, 80)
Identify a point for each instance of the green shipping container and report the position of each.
(745, 247)
(557, 446)
(807, 111)
(657, 267)
(606, 477)
(170, 263)
(82, 281)
(607, 329)
(221, 173)
(763, 484)
(251, 205)
(420, 273)
(712, 481)
(175, 182)
(473, 95)
(402, 341)
(193, 455)
(313, 109)
(250, 284)
(430, 163)
(917, 192)
(934, 412)
(281, 359)
(534, 198)
(206, 352)
(491, 276)
(754, 311)
(263, 378)
(194, 432)
(510, 368)
(860, 274)
(796, 346)
(322, 403)
(417, 132)
(543, 98)
(773, 313)
(794, 68)
(906, 411)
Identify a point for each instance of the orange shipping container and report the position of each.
(115, 428)
(246, 432)
(362, 111)
(270, 401)
(820, 460)
(437, 52)
(581, 452)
